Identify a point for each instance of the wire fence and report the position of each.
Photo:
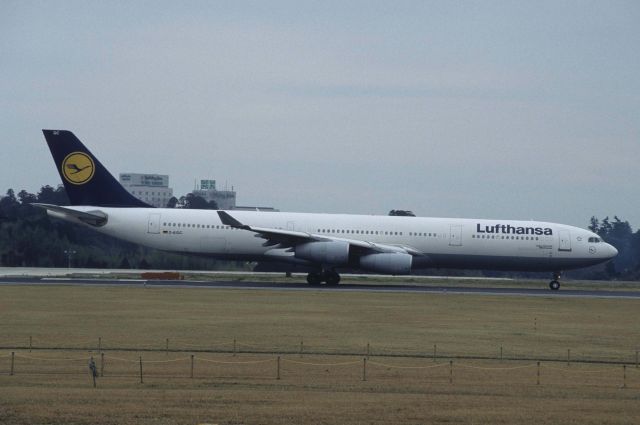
(434, 352)
(344, 369)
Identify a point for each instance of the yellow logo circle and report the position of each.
(78, 168)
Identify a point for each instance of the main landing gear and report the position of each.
(330, 277)
(555, 281)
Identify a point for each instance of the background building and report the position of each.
(150, 188)
(225, 199)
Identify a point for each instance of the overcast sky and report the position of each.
(522, 110)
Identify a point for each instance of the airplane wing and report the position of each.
(94, 218)
(288, 238)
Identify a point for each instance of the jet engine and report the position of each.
(388, 263)
(330, 252)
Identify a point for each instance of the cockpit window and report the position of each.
(595, 240)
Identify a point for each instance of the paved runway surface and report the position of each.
(229, 284)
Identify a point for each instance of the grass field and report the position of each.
(315, 388)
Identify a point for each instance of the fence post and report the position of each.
(368, 350)
(234, 347)
(501, 353)
(99, 344)
(535, 324)
(538, 377)
(624, 376)
(101, 364)
(167, 347)
(192, 366)
(435, 348)
(94, 372)
(30, 343)
(636, 359)
(141, 370)
(278, 369)
(301, 346)
(364, 368)
(451, 371)
(569, 357)
(13, 356)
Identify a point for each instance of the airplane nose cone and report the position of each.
(612, 251)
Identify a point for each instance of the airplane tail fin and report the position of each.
(85, 179)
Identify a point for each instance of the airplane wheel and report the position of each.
(314, 279)
(554, 285)
(332, 278)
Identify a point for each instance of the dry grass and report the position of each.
(397, 390)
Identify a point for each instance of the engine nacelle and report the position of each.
(388, 263)
(330, 252)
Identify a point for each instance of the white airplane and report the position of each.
(325, 242)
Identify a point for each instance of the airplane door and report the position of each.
(564, 240)
(455, 235)
(154, 223)
(291, 225)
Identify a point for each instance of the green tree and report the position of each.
(196, 202)
(49, 195)
(9, 206)
(594, 224)
(26, 197)
(172, 202)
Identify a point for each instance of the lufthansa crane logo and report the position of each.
(78, 168)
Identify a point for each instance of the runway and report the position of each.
(349, 287)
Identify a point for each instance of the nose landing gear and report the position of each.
(555, 281)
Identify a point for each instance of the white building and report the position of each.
(150, 188)
(225, 199)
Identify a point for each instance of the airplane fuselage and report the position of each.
(439, 242)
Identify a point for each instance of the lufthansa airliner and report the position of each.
(324, 242)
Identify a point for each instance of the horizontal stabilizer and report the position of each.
(93, 218)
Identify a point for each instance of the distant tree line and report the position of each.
(30, 238)
(626, 265)
(192, 201)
